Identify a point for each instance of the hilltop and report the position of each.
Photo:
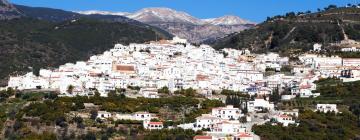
(297, 32)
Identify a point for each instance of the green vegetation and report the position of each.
(164, 90)
(314, 126)
(186, 92)
(172, 134)
(294, 33)
(28, 112)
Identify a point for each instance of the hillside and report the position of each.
(35, 43)
(8, 11)
(293, 33)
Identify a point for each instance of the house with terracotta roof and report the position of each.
(285, 120)
(243, 136)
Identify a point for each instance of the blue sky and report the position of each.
(254, 10)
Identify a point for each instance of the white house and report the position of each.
(206, 121)
(228, 127)
(152, 125)
(104, 115)
(285, 119)
(228, 112)
(326, 108)
(294, 112)
(259, 105)
(149, 92)
(317, 47)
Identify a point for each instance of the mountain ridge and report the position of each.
(161, 12)
(186, 26)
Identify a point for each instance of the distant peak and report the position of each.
(228, 20)
(93, 12)
(164, 14)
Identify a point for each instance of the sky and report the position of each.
(254, 10)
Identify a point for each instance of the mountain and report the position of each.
(228, 20)
(45, 37)
(8, 11)
(161, 15)
(97, 12)
(186, 26)
(57, 15)
(294, 33)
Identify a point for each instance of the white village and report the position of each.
(176, 64)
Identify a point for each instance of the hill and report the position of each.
(38, 44)
(297, 32)
(32, 38)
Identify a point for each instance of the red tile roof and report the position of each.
(242, 134)
(125, 68)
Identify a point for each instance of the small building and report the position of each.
(243, 136)
(317, 47)
(228, 112)
(143, 116)
(149, 92)
(104, 115)
(326, 108)
(152, 125)
(294, 112)
(259, 105)
(206, 121)
(228, 127)
(285, 120)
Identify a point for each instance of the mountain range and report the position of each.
(184, 25)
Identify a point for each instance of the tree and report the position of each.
(70, 89)
(330, 7)
(164, 90)
(93, 114)
(90, 136)
(36, 70)
(355, 109)
(275, 97)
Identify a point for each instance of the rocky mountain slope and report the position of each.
(228, 20)
(8, 11)
(297, 32)
(28, 43)
(186, 26)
